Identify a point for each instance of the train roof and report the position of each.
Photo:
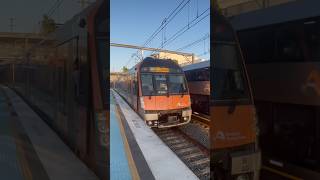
(67, 29)
(153, 62)
(199, 65)
(71, 26)
(277, 14)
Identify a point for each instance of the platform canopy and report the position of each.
(235, 7)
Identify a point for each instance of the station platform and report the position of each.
(147, 156)
(29, 149)
(119, 163)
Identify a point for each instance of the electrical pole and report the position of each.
(11, 25)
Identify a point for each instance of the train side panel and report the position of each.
(56, 82)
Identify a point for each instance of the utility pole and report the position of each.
(11, 25)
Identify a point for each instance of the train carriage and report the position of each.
(198, 77)
(158, 91)
(63, 79)
(235, 152)
(282, 56)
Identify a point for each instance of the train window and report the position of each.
(277, 43)
(228, 78)
(134, 84)
(177, 84)
(147, 84)
(188, 75)
(312, 33)
(289, 45)
(258, 45)
(161, 84)
(202, 74)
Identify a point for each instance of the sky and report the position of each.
(133, 22)
(28, 13)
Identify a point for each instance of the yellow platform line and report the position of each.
(21, 154)
(281, 173)
(132, 165)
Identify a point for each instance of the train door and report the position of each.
(61, 69)
(135, 91)
(232, 111)
(73, 94)
(67, 114)
(99, 52)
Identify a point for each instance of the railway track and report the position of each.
(201, 120)
(204, 119)
(193, 154)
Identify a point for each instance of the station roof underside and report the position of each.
(236, 7)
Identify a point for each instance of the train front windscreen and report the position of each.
(163, 84)
(232, 112)
(228, 78)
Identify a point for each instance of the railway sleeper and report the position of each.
(174, 142)
(181, 145)
(186, 150)
(167, 135)
(200, 162)
(193, 155)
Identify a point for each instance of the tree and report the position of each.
(125, 69)
(47, 25)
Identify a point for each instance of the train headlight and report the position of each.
(142, 102)
(186, 113)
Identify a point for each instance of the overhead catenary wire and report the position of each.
(197, 8)
(164, 23)
(54, 7)
(187, 27)
(203, 54)
(181, 31)
(203, 38)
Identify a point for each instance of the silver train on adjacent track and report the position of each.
(198, 77)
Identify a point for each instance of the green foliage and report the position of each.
(125, 69)
(47, 25)
(216, 7)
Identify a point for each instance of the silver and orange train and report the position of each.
(157, 90)
(235, 152)
(62, 78)
(198, 77)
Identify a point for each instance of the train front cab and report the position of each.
(234, 148)
(164, 99)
